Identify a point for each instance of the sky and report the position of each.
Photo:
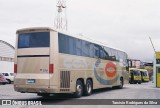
(122, 24)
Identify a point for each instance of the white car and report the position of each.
(9, 76)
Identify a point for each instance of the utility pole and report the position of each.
(152, 45)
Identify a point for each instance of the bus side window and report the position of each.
(91, 50)
(72, 46)
(114, 54)
(78, 47)
(107, 53)
(101, 54)
(120, 56)
(85, 48)
(62, 43)
(96, 51)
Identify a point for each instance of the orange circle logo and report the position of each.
(110, 69)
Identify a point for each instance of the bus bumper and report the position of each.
(36, 89)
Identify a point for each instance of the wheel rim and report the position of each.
(79, 89)
(89, 88)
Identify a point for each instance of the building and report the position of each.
(133, 63)
(6, 57)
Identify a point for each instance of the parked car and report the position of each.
(9, 76)
(3, 79)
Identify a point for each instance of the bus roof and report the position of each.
(30, 29)
(34, 29)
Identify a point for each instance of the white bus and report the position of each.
(50, 62)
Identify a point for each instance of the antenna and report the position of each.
(152, 44)
(61, 19)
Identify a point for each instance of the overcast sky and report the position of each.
(123, 24)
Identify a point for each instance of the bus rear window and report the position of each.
(33, 40)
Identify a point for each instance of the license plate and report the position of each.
(31, 81)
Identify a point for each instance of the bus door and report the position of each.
(33, 59)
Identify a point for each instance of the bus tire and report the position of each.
(45, 95)
(121, 83)
(88, 88)
(79, 89)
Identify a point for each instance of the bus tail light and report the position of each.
(15, 68)
(51, 68)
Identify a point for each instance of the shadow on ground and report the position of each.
(69, 99)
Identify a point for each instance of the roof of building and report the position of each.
(6, 49)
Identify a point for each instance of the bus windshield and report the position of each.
(135, 72)
(33, 40)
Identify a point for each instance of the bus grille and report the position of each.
(65, 79)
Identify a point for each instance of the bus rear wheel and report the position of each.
(45, 95)
(88, 88)
(79, 89)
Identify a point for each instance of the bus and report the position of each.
(134, 76)
(51, 62)
(144, 75)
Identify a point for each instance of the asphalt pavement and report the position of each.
(129, 91)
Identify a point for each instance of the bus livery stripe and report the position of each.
(101, 80)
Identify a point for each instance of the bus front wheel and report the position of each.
(121, 83)
(79, 89)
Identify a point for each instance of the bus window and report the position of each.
(102, 54)
(107, 51)
(71, 45)
(126, 64)
(91, 50)
(63, 47)
(96, 51)
(145, 73)
(78, 47)
(32, 40)
(120, 56)
(114, 54)
(85, 48)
